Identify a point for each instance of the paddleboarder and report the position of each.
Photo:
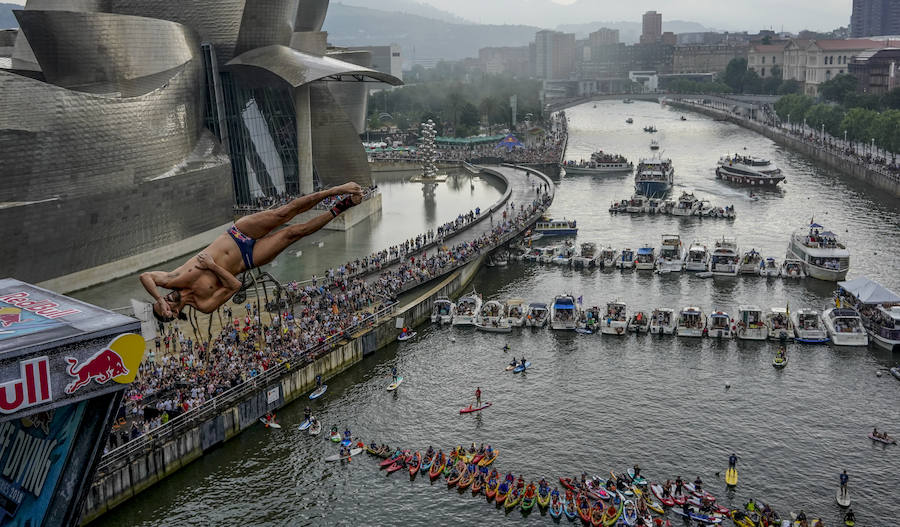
(478, 396)
(394, 374)
(307, 413)
(844, 480)
(732, 460)
(318, 381)
(849, 518)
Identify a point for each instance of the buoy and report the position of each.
(452, 339)
(878, 373)
(727, 386)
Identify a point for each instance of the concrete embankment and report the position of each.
(837, 162)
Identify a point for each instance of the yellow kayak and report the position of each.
(485, 461)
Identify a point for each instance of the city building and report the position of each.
(816, 61)
(874, 18)
(761, 58)
(668, 38)
(705, 58)
(651, 27)
(555, 55)
(877, 71)
(606, 61)
(511, 60)
(657, 57)
(131, 128)
(704, 37)
(649, 80)
(604, 36)
(386, 59)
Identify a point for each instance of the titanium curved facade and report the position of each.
(310, 15)
(266, 23)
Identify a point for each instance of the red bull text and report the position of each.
(101, 367)
(45, 308)
(32, 388)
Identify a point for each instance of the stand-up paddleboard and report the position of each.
(521, 368)
(731, 477)
(842, 498)
(403, 338)
(510, 367)
(338, 457)
(315, 429)
(583, 331)
(273, 424)
(393, 386)
(305, 424)
(346, 442)
(469, 409)
(318, 392)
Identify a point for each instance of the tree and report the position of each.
(838, 88)
(891, 99)
(734, 74)
(454, 104)
(858, 124)
(790, 86)
(793, 107)
(751, 83)
(488, 106)
(468, 115)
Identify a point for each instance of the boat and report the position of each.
(513, 499)
(564, 255)
(627, 101)
(629, 513)
(751, 262)
(645, 260)
(663, 321)
(879, 308)
(543, 496)
(395, 384)
(778, 324)
(718, 325)
(548, 254)
(780, 360)
(654, 177)
(671, 254)
(842, 497)
(318, 392)
(338, 457)
(651, 129)
(824, 257)
(656, 205)
(792, 268)
(516, 312)
(587, 258)
(315, 429)
(533, 254)
(724, 260)
(415, 464)
(654, 144)
(748, 170)
(690, 323)
(697, 257)
(557, 506)
(492, 318)
(550, 227)
(564, 313)
(888, 441)
(750, 324)
(442, 310)
(625, 259)
(845, 327)
(600, 163)
(487, 460)
(529, 498)
(403, 337)
(639, 322)
(808, 326)
(615, 322)
(269, 424)
(687, 205)
(769, 268)
(437, 467)
(629, 120)
(607, 257)
(638, 204)
(589, 321)
(537, 315)
(657, 491)
(467, 309)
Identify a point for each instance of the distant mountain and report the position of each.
(630, 32)
(7, 19)
(410, 7)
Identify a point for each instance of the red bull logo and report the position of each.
(10, 316)
(117, 362)
(30, 389)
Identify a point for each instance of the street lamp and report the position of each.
(872, 149)
(823, 132)
(790, 124)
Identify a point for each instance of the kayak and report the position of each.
(597, 514)
(400, 462)
(731, 477)
(477, 458)
(556, 508)
(338, 457)
(780, 361)
(891, 441)
(654, 505)
(584, 510)
(485, 461)
(657, 490)
(406, 336)
(842, 499)
(490, 490)
(697, 502)
(597, 491)
(437, 467)
(512, 499)
(466, 480)
(502, 492)
(269, 424)
(469, 409)
(318, 392)
(390, 461)
(477, 485)
(416, 463)
(426, 463)
(450, 464)
(315, 429)
(305, 424)
(569, 509)
(520, 368)
(528, 499)
(453, 480)
(611, 515)
(510, 367)
(640, 480)
(895, 371)
(629, 514)
(393, 386)
(543, 498)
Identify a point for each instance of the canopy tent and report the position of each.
(509, 142)
(467, 141)
(869, 292)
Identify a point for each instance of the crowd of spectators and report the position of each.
(270, 202)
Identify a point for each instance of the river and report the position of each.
(594, 403)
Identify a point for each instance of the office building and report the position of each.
(872, 18)
(705, 58)
(555, 55)
(877, 71)
(604, 36)
(651, 27)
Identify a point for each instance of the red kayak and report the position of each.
(390, 461)
(478, 457)
(569, 483)
(469, 409)
(399, 463)
(416, 463)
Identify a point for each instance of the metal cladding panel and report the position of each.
(65, 44)
(266, 23)
(310, 15)
(22, 55)
(338, 154)
(353, 97)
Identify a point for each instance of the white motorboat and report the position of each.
(533, 254)
(697, 257)
(725, 259)
(587, 258)
(690, 323)
(769, 268)
(687, 205)
(657, 206)
(750, 324)
(750, 262)
(637, 204)
(625, 259)
(748, 170)
(883, 325)
(564, 256)
(600, 163)
(501, 259)
(654, 144)
(548, 254)
(823, 255)
(845, 327)
(671, 254)
(516, 312)
(639, 322)
(490, 313)
(778, 324)
(645, 260)
(442, 310)
(791, 268)
(808, 326)
(615, 321)
(705, 209)
(718, 325)
(500, 326)
(607, 257)
(663, 321)
(537, 315)
(879, 308)
(564, 313)
(467, 309)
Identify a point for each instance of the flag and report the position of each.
(579, 300)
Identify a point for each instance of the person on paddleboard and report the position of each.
(844, 480)
(637, 471)
(307, 413)
(698, 483)
(270, 417)
(850, 517)
(514, 362)
(346, 433)
(478, 398)
(523, 362)
(679, 483)
(732, 460)
(394, 374)
(318, 381)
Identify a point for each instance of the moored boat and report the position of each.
(638, 204)
(750, 324)
(550, 227)
(718, 325)
(671, 254)
(879, 308)
(607, 257)
(687, 205)
(697, 257)
(645, 260)
(750, 262)
(808, 326)
(654, 177)
(725, 259)
(778, 324)
(442, 310)
(845, 327)
(639, 322)
(615, 321)
(490, 313)
(690, 322)
(587, 258)
(467, 309)
(625, 260)
(537, 315)
(563, 313)
(792, 268)
(516, 312)
(663, 321)
(824, 257)
(769, 268)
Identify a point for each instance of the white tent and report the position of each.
(870, 292)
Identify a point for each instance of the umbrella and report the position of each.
(815, 226)
(828, 234)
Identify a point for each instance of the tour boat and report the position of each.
(778, 324)
(516, 312)
(671, 254)
(823, 256)
(490, 313)
(654, 144)
(467, 309)
(537, 315)
(687, 205)
(879, 309)
(690, 323)
(883, 325)
(645, 259)
(769, 268)
(697, 257)
(587, 258)
(615, 321)
(551, 227)
(639, 322)
(637, 204)
(564, 313)
(750, 262)
(625, 259)
(607, 257)
(548, 254)
(600, 163)
(718, 325)
(442, 310)
(845, 327)
(725, 258)
(791, 268)
(748, 170)
(663, 321)
(808, 326)
(750, 324)
(654, 177)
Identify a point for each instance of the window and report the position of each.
(773, 59)
(763, 72)
(764, 60)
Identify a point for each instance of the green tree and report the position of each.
(734, 74)
(469, 116)
(790, 86)
(488, 107)
(751, 82)
(793, 107)
(838, 88)
(454, 104)
(891, 99)
(858, 124)
(863, 100)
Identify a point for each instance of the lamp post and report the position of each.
(872, 148)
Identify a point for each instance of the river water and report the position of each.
(594, 403)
